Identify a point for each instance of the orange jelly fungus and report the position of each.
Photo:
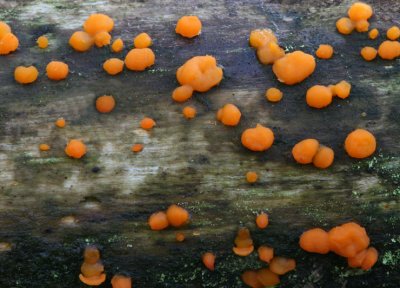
(373, 33)
(265, 253)
(262, 220)
(364, 259)
(113, 66)
(105, 104)
(102, 38)
(360, 144)
(261, 37)
(137, 148)
(44, 147)
(332, 88)
(60, 123)
(117, 45)
(188, 26)
(42, 42)
(304, 151)
(81, 41)
(120, 281)
(251, 177)
(200, 72)
(324, 157)
(266, 277)
(362, 26)
(259, 138)
(360, 11)
(393, 33)
(182, 93)
(342, 89)
(208, 260)
(389, 50)
(273, 94)
(96, 23)
(4, 29)
(177, 216)
(92, 270)
(75, 149)
(294, 67)
(324, 51)
(158, 221)
(25, 75)
(249, 278)
(8, 41)
(348, 239)
(368, 53)
(57, 70)
(189, 112)
(142, 40)
(138, 59)
(269, 53)
(244, 243)
(229, 115)
(147, 123)
(282, 265)
(315, 241)
(319, 96)
(180, 237)
(345, 26)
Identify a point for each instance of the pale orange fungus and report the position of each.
(282, 265)
(344, 25)
(177, 216)
(60, 123)
(362, 26)
(342, 89)
(189, 112)
(393, 33)
(348, 239)
(8, 43)
(182, 93)
(42, 42)
(26, 75)
(249, 278)
(188, 26)
(251, 177)
(147, 123)
(102, 38)
(267, 277)
(319, 96)
(261, 37)
(259, 138)
(75, 149)
(137, 148)
(324, 51)
(57, 70)
(304, 151)
(96, 23)
(273, 94)
(105, 103)
(269, 53)
(81, 41)
(265, 253)
(180, 237)
(315, 241)
(117, 45)
(92, 270)
(360, 144)
(389, 50)
(138, 59)
(368, 53)
(360, 11)
(142, 40)
(244, 243)
(262, 220)
(373, 33)
(44, 147)
(113, 66)
(120, 281)
(229, 115)
(208, 259)
(324, 157)
(158, 221)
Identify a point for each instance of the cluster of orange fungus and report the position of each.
(368, 53)
(121, 281)
(92, 270)
(113, 66)
(200, 72)
(229, 115)
(310, 151)
(358, 13)
(273, 94)
(262, 220)
(102, 38)
(320, 96)
(143, 40)
(189, 112)
(243, 243)
(8, 41)
(251, 177)
(105, 104)
(389, 50)
(57, 70)
(360, 143)
(147, 123)
(158, 221)
(75, 149)
(188, 26)
(176, 216)
(259, 138)
(42, 42)
(138, 59)
(294, 67)
(315, 240)
(266, 44)
(208, 260)
(324, 51)
(26, 75)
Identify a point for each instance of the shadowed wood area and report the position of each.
(199, 164)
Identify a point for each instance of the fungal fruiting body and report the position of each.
(158, 221)
(324, 51)
(362, 26)
(364, 259)
(251, 177)
(75, 149)
(96, 23)
(26, 75)
(368, 53)
(315, 241)
(138, 59)
(147, 123)
(113, 66)
(42, 42)
(360, 144)
(177, 216)
(143, 40)
(319, 96)
(345, 26)
(189, 112)
(102, 38)
(373, 34)
(243, 243)
(273, 94)
(92, 270)
(8, 41)
(81, 41)
(266, 44)
(229, 115)
(180, 237)
(182, 93)
(282, 265)
(121, 281)
(44, 147)
(342, 89)
(259, 138)
(310, 151)
(60, 123)
(260, 278)
(324, 157)
(265, 253)
(117, 45)
(57, 70)
(389, 50)
(208, 260)
(105, 103)
(393, 33)
(188, 26)
(262, 220)
(137, 148)
(358, 13)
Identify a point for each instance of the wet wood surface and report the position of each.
(199, 164)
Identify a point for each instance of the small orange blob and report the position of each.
(177, 216)
(180, 237)
(44, 147)
(75, 149)
(348, 239)
(315, 241)
(147, 123)
(360, 144)
(370, 259)
(25, 75)
(92, 269)
(244, 243)
(251, 177)
(120, 281)
(188, 26)
(96, 23)
(282, 265)
(208, 259)
(262, 220)
(245, 251)
(373, 34)
(229, 115)
(182, 93)
(393, 33)
(60, 123)
(362, 26)
(113, 66)
(344, 25)
(259, 138)
(4, 29)
(137, 148)
(57, 70)
(189, 112)
(8, 43)
(94, 280)
(389, 50)
(324, 157)
(360, 11)
(42, 42)
(117, 45)
(105, 104)
(273, 94)
(158, 221)
(261, 37)
(368, 53)
(265, 253)
(294, 67)
(81, 41)
(319, 96)
(269, 53)
(139, 59)
(342, 89)
(249, 278)
(102, 38)
(142, 40)
(267, 277)
(324, 51)
(304, 151)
